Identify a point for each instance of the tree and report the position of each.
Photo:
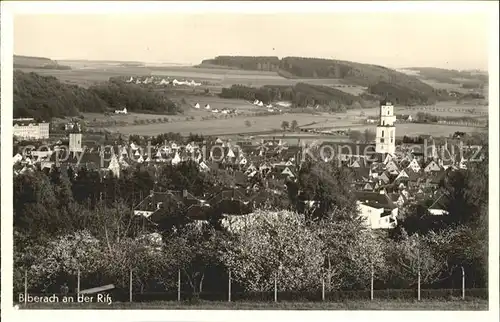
(294, 126)
(248, 123)
(369, 136)
(57, 260)
(355, 135)
(285, 125)
(194, 249)
(351, 252)
(411, 255)
(273, 245)
(320, 188)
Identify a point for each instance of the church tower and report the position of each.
(386, 131)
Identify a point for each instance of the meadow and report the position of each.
(427, 305)
(220, 126)
(217, 78)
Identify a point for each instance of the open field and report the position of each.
(414, 129)
(352, 119)
(217, 78)
(219, 126)
(445, 305)
(87, 77)
(272, 124)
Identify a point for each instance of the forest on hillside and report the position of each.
(401, 95)
(118, 94)
(45, 97)
(300, 67)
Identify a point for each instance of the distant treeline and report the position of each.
(301, 95)
(449, 75)
(45, 97)
(423, 117)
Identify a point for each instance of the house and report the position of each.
(432, 166)
(438, 212)
(414, 165)
(203, 166)
(177, 159)
(392, 167)
(114, 166)
(402, 176)
(28, 128)
(17, 158)
(287, 173)
(377, 209)
(124, 111)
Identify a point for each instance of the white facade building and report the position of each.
(386, 131)
(29, 129)
(75, 142)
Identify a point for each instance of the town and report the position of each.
(184, 161)
(384, 177)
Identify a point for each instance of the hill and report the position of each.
(402, 95)
(452, 76)
(45, 97)
(349, 72)
(118, 94)
(37, 62)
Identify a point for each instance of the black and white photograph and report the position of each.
(250, 160)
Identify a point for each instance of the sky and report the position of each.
(396, 40)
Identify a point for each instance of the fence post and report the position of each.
(371, 284)
(463, 283)
(26, 287)
(323, 287)
(276, 287)
(418, 291)
(229, 287)
(418, 268)
(130, 285)
(179, 285)
(78, 283)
